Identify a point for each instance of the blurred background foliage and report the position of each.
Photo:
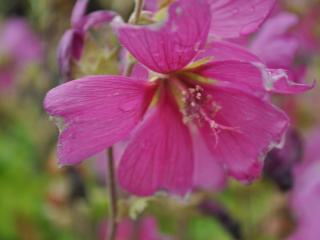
(39, 200)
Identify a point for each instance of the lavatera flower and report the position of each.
(195, 112)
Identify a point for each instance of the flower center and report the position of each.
(200, 109)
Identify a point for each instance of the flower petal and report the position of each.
(78, 13)
(248, 127)
(70, 47)
(97, 111)
(97, 18)
(223, 50)
(245, 75)
(273, 44)
(253, 76)
(231, 19)
(160, 155)
(172, 45)
(208, 173)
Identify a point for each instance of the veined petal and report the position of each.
(169, 46)
(78, 13)
(234, 18)
(252, 76)
(247, 127)
(97, 112)
(245, 75)
(160, 155)
(208, 173)
(223, 50)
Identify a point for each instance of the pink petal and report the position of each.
(245, 75)
(234, 18)
(312, 150)
(160, 155)
(251, 128)
(70, 48)
(208, 173)
(151, 5)
(97, 18)
(97, 111)
(253, 77)
(280, 81)
(78, 13)
(273, 44)
(139, 72)
(169, 46)
(223, 50)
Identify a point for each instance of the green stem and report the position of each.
(137, 11)
(113, 197)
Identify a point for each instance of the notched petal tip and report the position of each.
(278, 81)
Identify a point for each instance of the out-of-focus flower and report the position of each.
(19, 46)
(230, 19)
(279, 163)
(274, 44)
(277, 46)
(306, 192)
(144, 229)
(309, 31)
(72, 42)
(221, 99)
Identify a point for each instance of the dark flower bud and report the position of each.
(215, 210)
(279, 163)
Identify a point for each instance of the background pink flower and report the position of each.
(19, 46)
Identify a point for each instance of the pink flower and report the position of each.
(230, 19)
(306, 193)
(281, 45)
(145, 229)
(72, 42)
(19, 46)
(190, 96)
(277, 46)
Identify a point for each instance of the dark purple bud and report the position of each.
(279, 163)
(77, 185)
(70, 48)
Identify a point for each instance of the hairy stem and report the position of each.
(112, 229)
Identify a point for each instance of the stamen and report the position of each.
(200, 109)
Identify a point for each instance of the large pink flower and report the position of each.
(72, 42)
(195, 93)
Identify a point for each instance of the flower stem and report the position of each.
(137, 11)
(113, 196)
